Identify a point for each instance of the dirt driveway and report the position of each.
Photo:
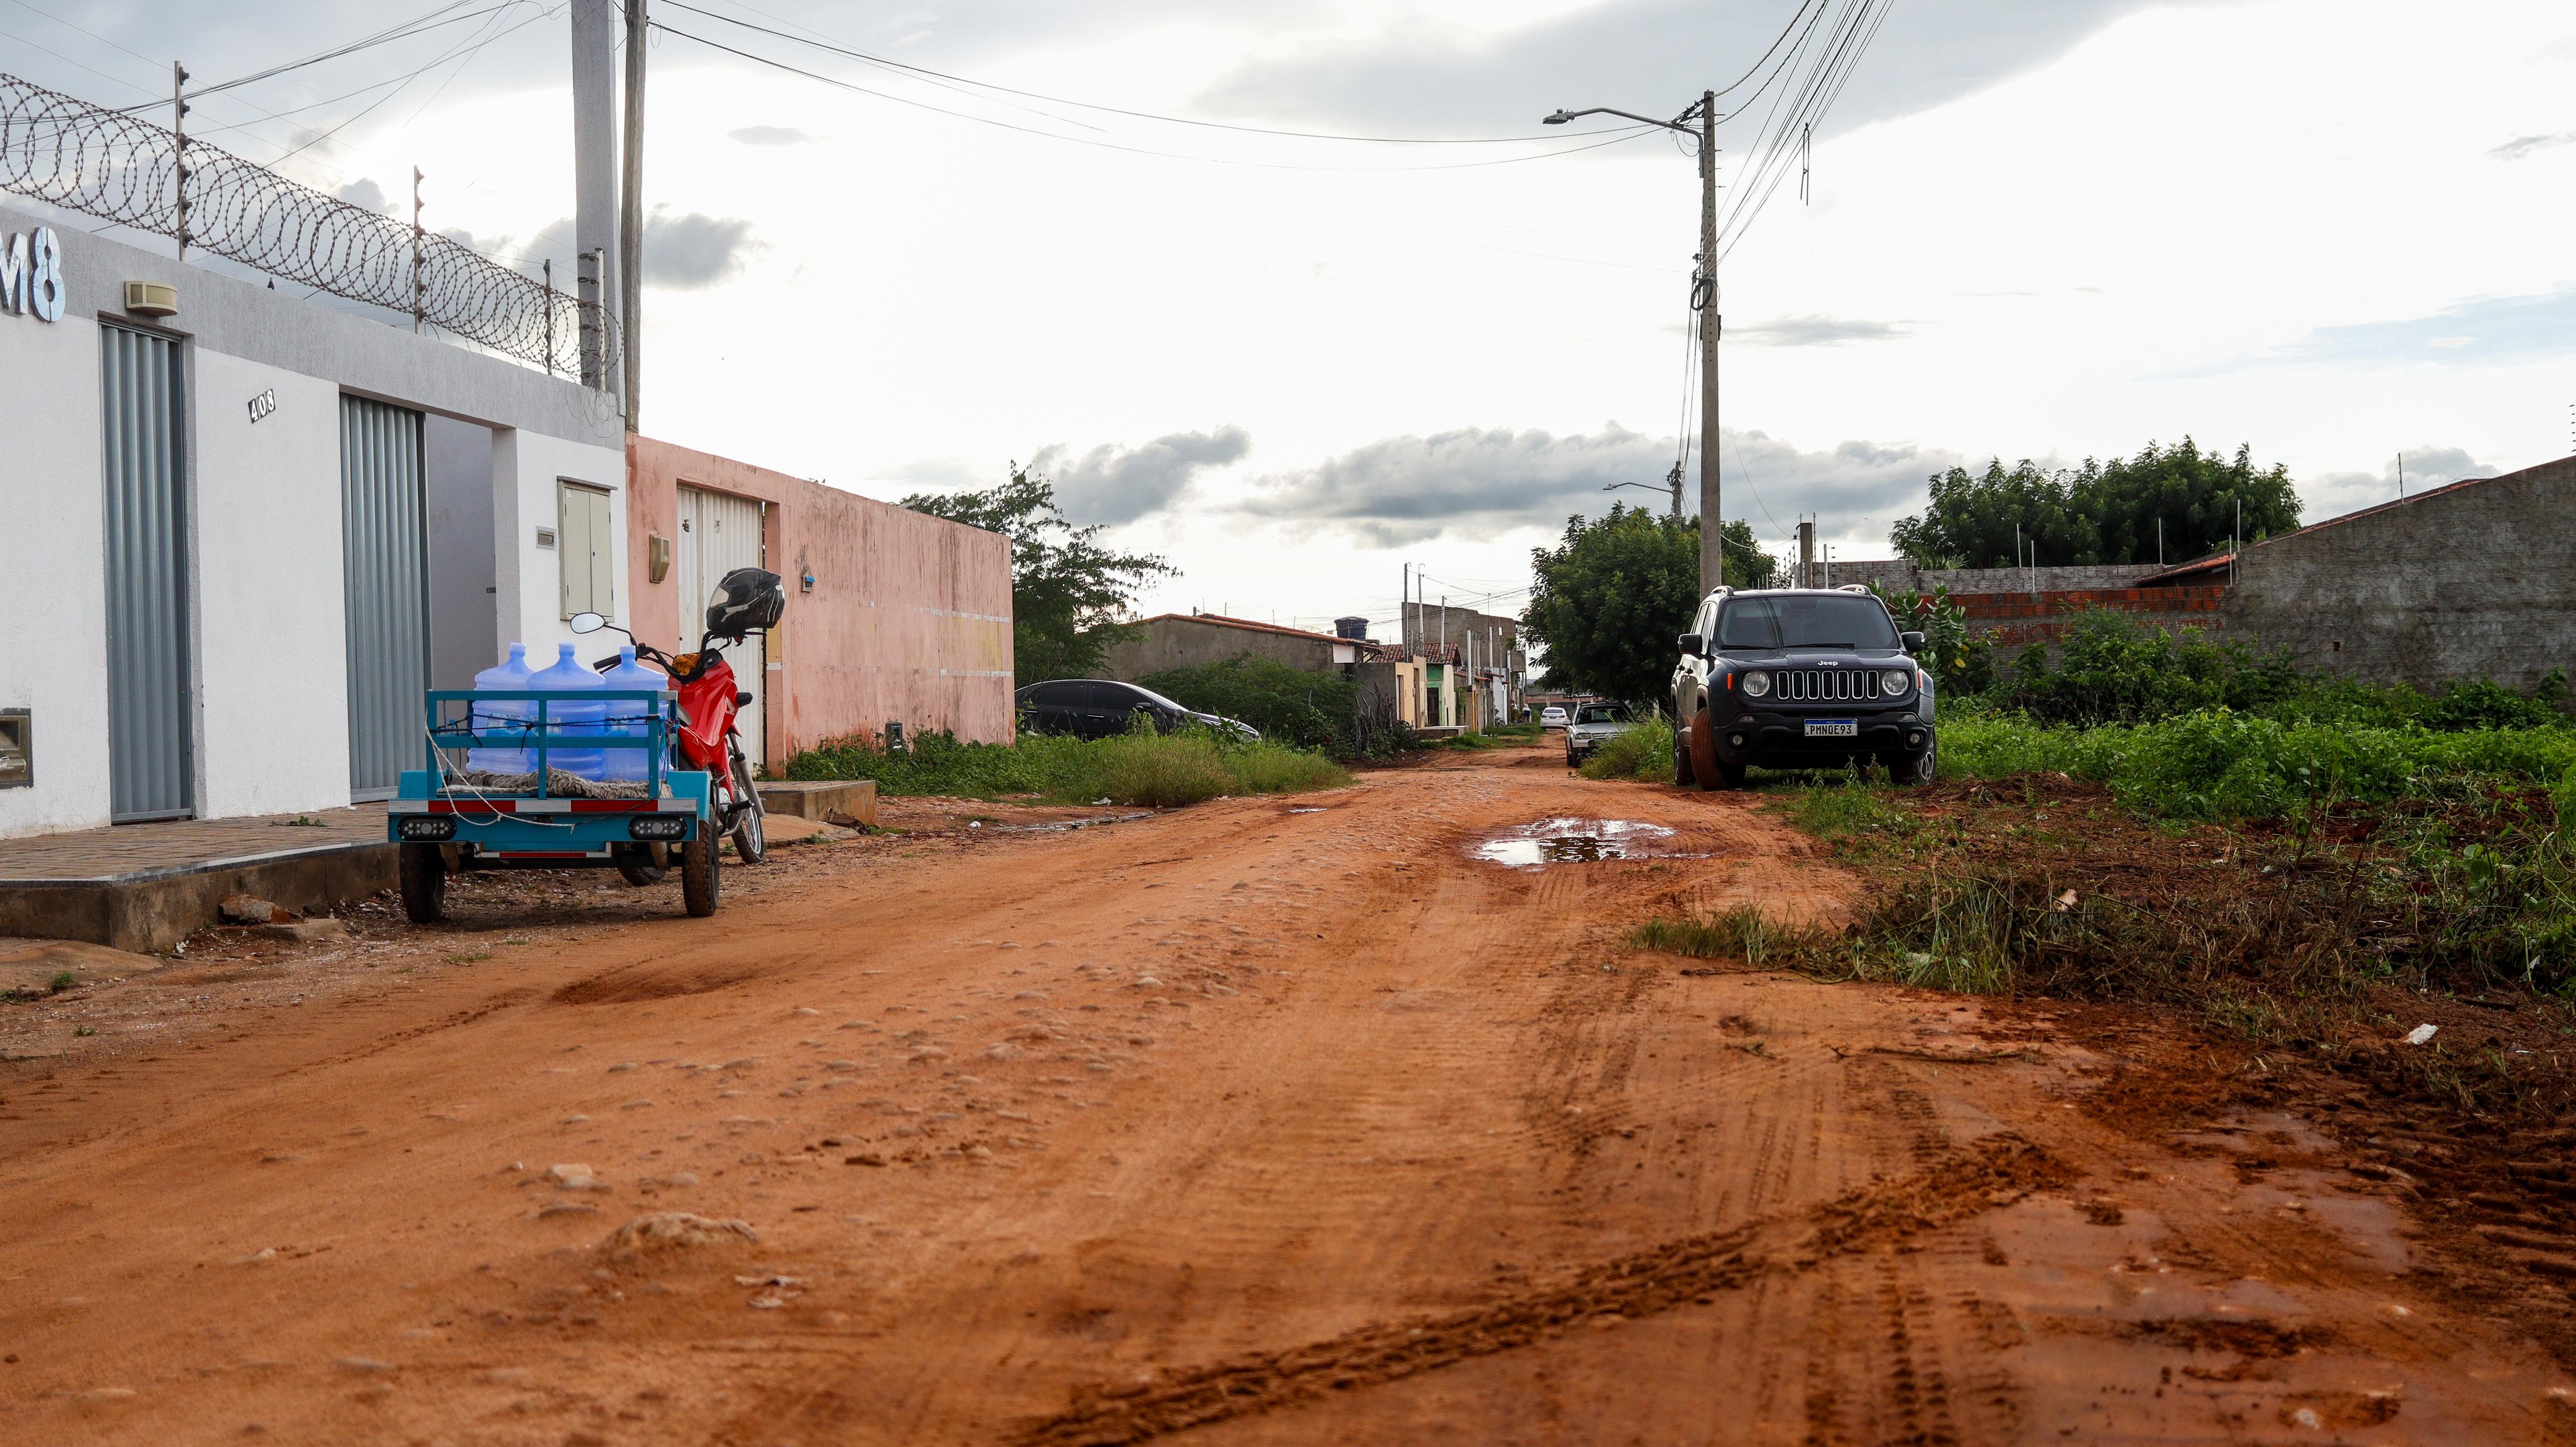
(1261, 1121)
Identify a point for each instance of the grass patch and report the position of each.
(2218, 764)
(1742, 933)
(1142, 768)
(67, 980)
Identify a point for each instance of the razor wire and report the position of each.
(62, 150)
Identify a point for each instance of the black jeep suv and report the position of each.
(1799, 678)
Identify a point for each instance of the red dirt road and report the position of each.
(1257, 1122)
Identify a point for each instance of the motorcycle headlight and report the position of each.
(1757, 684)
(1897, 680)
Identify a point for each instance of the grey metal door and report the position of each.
(150, 736)
(384, 560)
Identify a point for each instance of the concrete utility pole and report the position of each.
(594, 178)
(1712, 526)
(1806, 553)
(630, 216)
(1712, 532)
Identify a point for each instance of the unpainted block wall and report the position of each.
(1170, 642)
(2473, 580)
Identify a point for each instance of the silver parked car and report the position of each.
(1593, 725)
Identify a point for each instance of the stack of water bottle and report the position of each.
(586, 719)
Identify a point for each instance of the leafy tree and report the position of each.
(1068, 591)
(1612, 595)
(2100, 512)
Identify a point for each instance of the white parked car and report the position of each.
(1552, 717)
(1594, 724)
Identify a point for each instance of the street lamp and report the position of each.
(1712, 534)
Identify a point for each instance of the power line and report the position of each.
(1617, 136)
(879, 60)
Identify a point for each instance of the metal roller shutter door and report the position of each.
(384, 554)
(151, 738)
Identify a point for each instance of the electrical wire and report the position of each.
(882, 61)
(466, 50)
(1616, 136)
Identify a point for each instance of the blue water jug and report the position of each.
(582, 717)
(502, 716)
(628, 719)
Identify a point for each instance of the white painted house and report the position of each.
(238, 539)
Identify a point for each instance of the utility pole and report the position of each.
(179, 129)
(1806, 553)
(1403, 605)
(417, 285)
(594, 172)
(1712, 536)
(630, 222)
(1712, 528)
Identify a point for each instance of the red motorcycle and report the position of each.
(746, 601)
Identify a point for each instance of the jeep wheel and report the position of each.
(1703, 754)
(1905, 773)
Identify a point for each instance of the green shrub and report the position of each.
(1644, 752)
(1292, 706)
(1142, 768)
(2218, 764)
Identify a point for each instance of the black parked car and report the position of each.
(1095, 708)
(1799, 678)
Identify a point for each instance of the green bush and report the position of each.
(1644, 752)
(2217, 763)
(1142, 768)
(1289, 705)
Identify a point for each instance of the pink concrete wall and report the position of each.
(909, 620)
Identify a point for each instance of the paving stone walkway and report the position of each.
(127, 850)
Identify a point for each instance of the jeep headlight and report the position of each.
(1757, 684)
(1896, 681)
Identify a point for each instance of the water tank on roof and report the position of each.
(1354, 628)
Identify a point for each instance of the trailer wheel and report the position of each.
(424, 882)
(701, 875)
(640, 872)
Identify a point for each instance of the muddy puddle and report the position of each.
(1577, 841)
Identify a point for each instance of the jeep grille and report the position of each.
(1825, 685)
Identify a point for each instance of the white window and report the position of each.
(586, 550)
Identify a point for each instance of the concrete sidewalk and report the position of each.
(145, 887)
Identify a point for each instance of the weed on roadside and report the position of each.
(1644, 753)
(67, 980)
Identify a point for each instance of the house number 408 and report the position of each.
(263, 404)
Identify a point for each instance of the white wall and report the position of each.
(53, 588)
(526, 467)
(271, 640)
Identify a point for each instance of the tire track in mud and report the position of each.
(1996, 1171)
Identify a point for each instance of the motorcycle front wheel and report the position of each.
(750, 838)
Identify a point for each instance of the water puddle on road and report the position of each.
(1576, 841)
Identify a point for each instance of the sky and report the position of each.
(2332, 230)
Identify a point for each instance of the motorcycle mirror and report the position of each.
(586, 623)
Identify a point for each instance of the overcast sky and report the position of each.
(2333, 229)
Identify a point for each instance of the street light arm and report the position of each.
(1561, 117)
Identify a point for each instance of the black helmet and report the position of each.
(744, 600)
